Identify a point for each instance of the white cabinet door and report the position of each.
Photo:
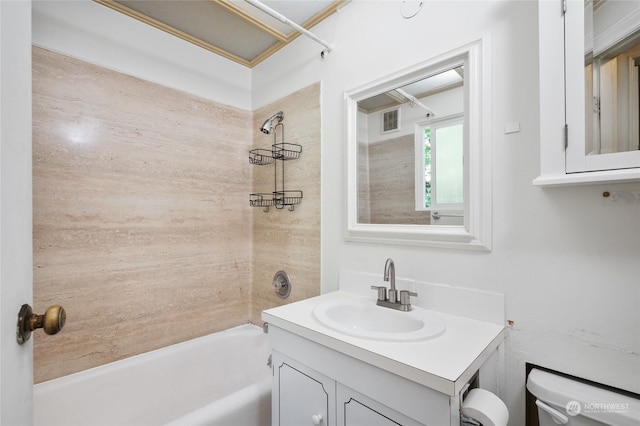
(356, 413)
(611, 143)
(302, 396)
(355, 409)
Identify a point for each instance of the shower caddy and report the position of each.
(279, 153)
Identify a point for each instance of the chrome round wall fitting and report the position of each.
(282, 284)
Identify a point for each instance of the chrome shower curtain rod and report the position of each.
(415, 101)
(284, 19)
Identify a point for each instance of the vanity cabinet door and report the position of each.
(301, 396)
(355, 409)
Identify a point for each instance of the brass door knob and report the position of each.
(51, 322)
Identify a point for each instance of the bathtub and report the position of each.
(220, 379)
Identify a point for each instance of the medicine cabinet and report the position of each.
(589, 92)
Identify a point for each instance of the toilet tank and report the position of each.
(561, 400)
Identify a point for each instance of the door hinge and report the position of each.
(566, 136)
(596, 105)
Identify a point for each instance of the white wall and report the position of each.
(567, 260)
(94, 33)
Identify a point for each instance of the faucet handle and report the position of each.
(405, 297)
(382, 291)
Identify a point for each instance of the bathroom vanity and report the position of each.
(327, 376)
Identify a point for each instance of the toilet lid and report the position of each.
(578, 398)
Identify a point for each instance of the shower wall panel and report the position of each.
(141, 220)
(391, 179)
(282, 239)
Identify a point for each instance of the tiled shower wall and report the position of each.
(390, 175)
(142, 228)
(282, 239)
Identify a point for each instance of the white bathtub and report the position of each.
(221, 379)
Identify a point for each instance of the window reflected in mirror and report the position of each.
(612, 86)
(410, 157)
(440, 150)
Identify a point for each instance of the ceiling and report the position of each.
(429, 86)
(233, 29)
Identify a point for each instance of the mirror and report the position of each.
(418, 155)
(410, 157)
(612, 63)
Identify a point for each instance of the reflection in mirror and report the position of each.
(410, 152)
(612, 89)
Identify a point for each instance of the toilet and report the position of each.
(563, 401)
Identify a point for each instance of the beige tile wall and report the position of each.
(142, 225)
(282, 239)
(392, 182)
(364, 203)
(142, 228)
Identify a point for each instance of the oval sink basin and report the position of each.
(364, 319)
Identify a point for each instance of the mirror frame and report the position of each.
(475, 234)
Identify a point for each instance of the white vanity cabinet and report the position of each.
(311, 380)
(324, 377)
(303, 396)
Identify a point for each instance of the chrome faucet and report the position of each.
(390, 275)
(404, 304)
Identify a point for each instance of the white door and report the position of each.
(16, 362)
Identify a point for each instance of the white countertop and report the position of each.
(444, 363)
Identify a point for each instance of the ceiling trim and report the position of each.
(281, 39)
(230, 7)
(270, 51)
(323, 14)
(316, 19)
(171, 30)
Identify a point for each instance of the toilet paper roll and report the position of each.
(485, 407)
